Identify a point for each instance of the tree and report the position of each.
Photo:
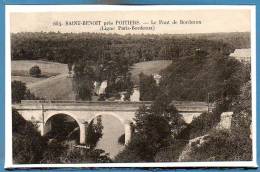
(28, 145)
(242, 121)
(70, 67)
(20, 92)
(225, 145)
(84, 78)
(122, 84)
(35, 71)
(154, 129)
(164, 106)
(94, 133)
(148, 87)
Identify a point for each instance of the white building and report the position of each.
(135, 97)
(157, 78)
(243, 55)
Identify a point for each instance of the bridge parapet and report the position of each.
(182, 106)
(80, 105)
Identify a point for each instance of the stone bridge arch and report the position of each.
(48, 125)
(125, 122)
(73, 115)
(83, 124)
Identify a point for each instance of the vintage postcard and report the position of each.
(130, 86)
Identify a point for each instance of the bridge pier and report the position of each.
(128, 132)
(41, 128)
(83, 131)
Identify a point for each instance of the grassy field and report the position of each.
(26, 79)
(24, 66)
(148, 68)
(20, 70)
(55, 88)
(54, 83)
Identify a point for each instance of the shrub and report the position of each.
(35, 71)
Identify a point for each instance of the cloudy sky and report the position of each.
(213, 20)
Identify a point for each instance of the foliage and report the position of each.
(86, 156)
(242, 120)
(83, 81)
(20, 92)
(225, 145)
(61, 47)
(35, 71)
(137, 150)
(122, 84)
(202, 124)
(242, 117)
(164, 106)
(94, 133)
(154, 129)
(28, 145)
(222, 145)
(53, 152)
(110, 56)
(172, 152)
(215, 76)
(148, 88)
(59, 153)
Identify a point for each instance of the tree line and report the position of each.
(67, 47)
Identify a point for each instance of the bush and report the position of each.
(35, 71)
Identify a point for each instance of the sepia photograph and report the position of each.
(130, 86)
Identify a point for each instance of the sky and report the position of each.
(208, 21)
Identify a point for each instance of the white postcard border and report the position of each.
(67, 8)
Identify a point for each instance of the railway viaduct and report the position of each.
(83, 112)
